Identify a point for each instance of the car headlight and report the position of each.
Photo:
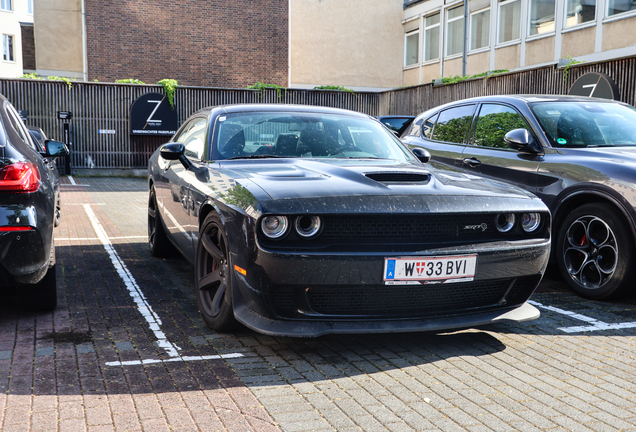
(505, 222)
(308, 226)
(274, 227)
(530, 222)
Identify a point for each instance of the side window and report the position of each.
(427, 127)
(453, 124)
(194, 139)
(494, 122)
(17, 124)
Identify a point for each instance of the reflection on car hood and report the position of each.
(335, 181)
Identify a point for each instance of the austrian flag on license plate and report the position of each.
(423, 270)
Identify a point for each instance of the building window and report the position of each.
(541, 16)
(7, 48)
(6, 5)
(619, 6)
(431, 37)
(579, 12)
(480, 29)
(412, 47)
(30, 7)
(455, 30)
(509, 19)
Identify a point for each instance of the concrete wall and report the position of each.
(59, 38)
(540, 51)
(619, 34)
(350, 43)
(578, 43)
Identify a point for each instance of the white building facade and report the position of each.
(14, 15)
(511, 35)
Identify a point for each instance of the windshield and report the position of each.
(304, 135)
(587, 124)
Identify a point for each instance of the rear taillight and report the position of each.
(15, 228)
(20, 177)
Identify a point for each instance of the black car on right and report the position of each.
(577, 154)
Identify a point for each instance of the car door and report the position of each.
(177, 197)
(489, 155)
(444, 135)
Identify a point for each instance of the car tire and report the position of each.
(58, 212)
(158, 241)
(213, 276)
(41, 296)
(594, 252)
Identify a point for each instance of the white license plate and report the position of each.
(423, 270)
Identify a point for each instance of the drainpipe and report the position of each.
(85, 65)
(465, 53)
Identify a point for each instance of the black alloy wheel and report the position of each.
(213, 276)
(158, 242)
(594, 252)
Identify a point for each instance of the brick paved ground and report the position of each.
(54, 373)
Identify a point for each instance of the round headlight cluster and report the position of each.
(505, 222)
(530, 222)
(308, 226)
(276, 227)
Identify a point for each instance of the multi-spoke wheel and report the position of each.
(213, 276)
(594, 251)
(158, 242)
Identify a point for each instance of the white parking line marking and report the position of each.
(142, 304)
(72, 180)
(95, 238)
(174, 359)
(133, 289)
(596, 325)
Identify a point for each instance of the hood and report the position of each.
(332, 185)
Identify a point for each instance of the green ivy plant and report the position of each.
(31, 75)
(566, 70)
(333, 87)
(57, 78)
(458, 78)
(261, 87)
(129, 81)
(169, 86)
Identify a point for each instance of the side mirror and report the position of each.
(175, 151)
(423, 155)
(521, 140)
(54, 149)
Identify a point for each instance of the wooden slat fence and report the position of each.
(102, 106)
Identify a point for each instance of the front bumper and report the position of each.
(295, 294)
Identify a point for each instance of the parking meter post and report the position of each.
(67, 140)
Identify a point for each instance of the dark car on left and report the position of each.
(27, 212)
(39, 139)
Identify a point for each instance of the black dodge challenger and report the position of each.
(304, 221)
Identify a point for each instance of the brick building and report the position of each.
(197, 42)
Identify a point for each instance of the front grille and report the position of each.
(401, 301)
(420, 227)
(398, 177)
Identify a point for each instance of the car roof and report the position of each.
(240, 108)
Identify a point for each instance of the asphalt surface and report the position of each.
(125, 350)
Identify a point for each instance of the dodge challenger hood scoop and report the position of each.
(399, 177)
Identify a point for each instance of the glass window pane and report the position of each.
(432, 20)
(455, 43)
(431, 44)
(30, 7)
(541, 16)
(494, 122)
(579, 12)
(412, 48)
(453, 124)
(427, 127)
(480, 30)
(619, 6)
(509, 18)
